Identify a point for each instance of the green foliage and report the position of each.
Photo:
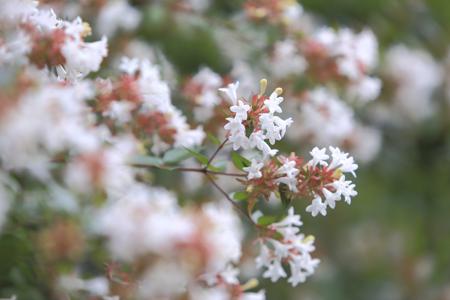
(239, 161)
(240, 196)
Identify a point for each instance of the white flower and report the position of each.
(234, 125)
(293, 248)
(290, 171)
(120, 111)
(289, 221)
(316, 207)
(288, 227)
(240, 110)
(257, 140)
(416, 75)
(239, 140)
(344, 188)
(319, 157)
(286, 59)
(274, 271)
(115, 15)
(350, 50)
(337, 189)
(301, 268)
(208, 79)
(129, 65)
(261, 295)
(271, 132)
(254, 170)
(273, 103)
(231, 91)
(342, 161)
(366, 90)
(83, 58)
(331, 198)
(323, 118)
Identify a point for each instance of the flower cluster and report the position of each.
(284, 244)
(322, 179)
(346, 55)
(201, 89)
(336, 187)
(278, 11)
(87, 143)
(140, 94)
(175, 247)
(251, 125)
(46, 41)
(415, 76)
(323, 118)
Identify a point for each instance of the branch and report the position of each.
(215, 153)
(236, 206)
(183, 169)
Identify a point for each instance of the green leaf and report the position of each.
(176, 155)
(240, 196)
(218, 166)
(266, 220)
(239, 161)
(213, 139)
(146, 160)
(198, 156)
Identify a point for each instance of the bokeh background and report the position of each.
(393, 242)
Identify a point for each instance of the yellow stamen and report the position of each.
(87, 30)
(279, 91)
(252, 283)
(309, 238)
(262, 86)
(337, 173)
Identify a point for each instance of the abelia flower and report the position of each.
(231, 91)
(292, 248)
(257, 118)
(322, 179)
(254, 169)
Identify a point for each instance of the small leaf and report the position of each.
(146, 160)
(198, 156)
(219, 166)
(266, 220)
(240, 196)
(239, 161)
(213, 139)
(176, 155)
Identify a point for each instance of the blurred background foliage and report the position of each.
(393, 242)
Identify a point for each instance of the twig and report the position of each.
(236, 206)
(225, 173)
(183, 169)
(215, 153)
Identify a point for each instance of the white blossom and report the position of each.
(240, 110)
(115, 15)
(129, 65)
(323, 118)
(83, 58)
(231, 91)
(316, 207)
(319, 157)
(293, 248)
(254, 170)
(273, 103)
